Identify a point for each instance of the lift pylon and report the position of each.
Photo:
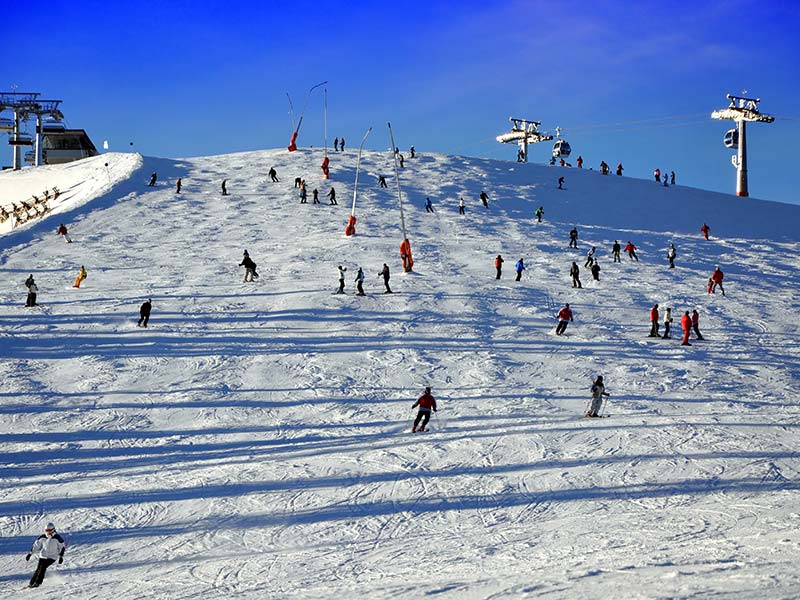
(523, 132)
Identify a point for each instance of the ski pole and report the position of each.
(588, 404)
(603, 408)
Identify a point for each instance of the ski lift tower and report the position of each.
(21, 104)
(42, 108)
(523, 132)
(741, 110)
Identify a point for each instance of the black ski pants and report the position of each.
(341, 287)
(519, 275)
(461, 210)
(616, 257)
(499, 272)
(424, 416)
(31, 300)
(38, 574)
(666, 330)
(143, 320)
(653, 328)
(360, 287)
(386, 284)
(697, 331)
(561, 327)
(576, 282)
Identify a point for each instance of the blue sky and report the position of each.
(630, 82)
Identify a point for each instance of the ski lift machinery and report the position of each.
(731, 139)
(561, 148)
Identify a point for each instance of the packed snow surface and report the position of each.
(254, 441)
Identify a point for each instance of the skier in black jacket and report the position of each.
(144, 313)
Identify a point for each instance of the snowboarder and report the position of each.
(178, 186)
(654, 321)
(615, 251)
(590, 257)
(144, 313)
(224, 187)
(717, 277)
(62, 231)
(619, 169)
(426, 403)
(153, 178)
(249, 267)
(332, 196)
(461, 209)
(385, 274)
(686, 325)
(667, 323)
(671, 255)
(598, 391)
(412, 151)
(33, 290)
(657, 175)
(631, 250)
(382, 181)
(596, 271)
(484, 199)
(360, 282)
(273, 174)
(696, 324)
(315, 196)
(79, 279)
(539, 212)
(48, 548)
(580, 162)
(336, 144)
(428, 205)
(705, 229)
(575, 273)
(561, 183)
(342, 271)
(573, 238)
(341, 144)
(520, 268)
(564, 318)
(498, 265)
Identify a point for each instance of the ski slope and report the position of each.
(253, 441)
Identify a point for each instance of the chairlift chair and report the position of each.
(52, 125)
(6, 124)
(21, 139)
(29, 157)
(731, 139)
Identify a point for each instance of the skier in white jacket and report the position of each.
(598, 391)
(48, 548)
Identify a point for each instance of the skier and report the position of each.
(360, 282)
(178, 186)
(520, 268)
(539, 212)
(385, 274)
(382, 181)
(705, 229)
(273, 174)
(426, 403)
(615, 251)
(485, 199)
(80, 278)
(631, 250)
(603, 167)
(144, 313)
(657, 175)
(224, 187)
(303, 193)
(573, 238)
(710, 285)
(153, 178)
(336, 144)
(596, 271)
(619, 169)
(671, 255)
(672, 177)
(667, 322)
(332, 196)
(666, 180)
(461, 209)
(341, 279)
(341, 144)
(696, 324)
(498, 265)
(564, 318)
(413, 152)
(654, 321)
(598, 391)
(717, 277)
(48, 548)
(580, 162)
(402, 161)
(561, 183)
(33, 290)
(686, 325)
(575, 273)
(590, 257)
(249, 267)
(62, 231)
(428, 205)
(315, 196)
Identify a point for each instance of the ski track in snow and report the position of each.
(254, 440)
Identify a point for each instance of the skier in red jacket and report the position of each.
(696, 324)
(716, 278)
(631, 250)
(564, 317)
(686, 325)
(654, 321)
(426, 403)
(705, 229)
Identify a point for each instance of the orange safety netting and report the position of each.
(405, 254)
(293, 143)
(351, 226)
(326, 173)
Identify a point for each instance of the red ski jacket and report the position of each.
(695, 318)
(686, 322)
(498, 261)
(425, 402)
(565, 314)
(717, 276)
(630, 248)
(653, 314)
